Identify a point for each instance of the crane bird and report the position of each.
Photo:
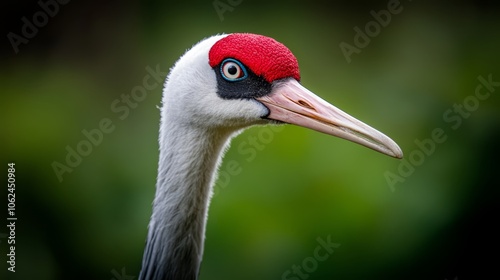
(224, 84)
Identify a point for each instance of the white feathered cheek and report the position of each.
(203, 102)
(217, 111)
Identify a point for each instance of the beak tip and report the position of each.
(391, 148)
(397, 153)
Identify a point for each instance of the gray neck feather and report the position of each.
(189, 158)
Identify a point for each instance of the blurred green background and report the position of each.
(297, 185)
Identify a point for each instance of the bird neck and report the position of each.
(189, 158)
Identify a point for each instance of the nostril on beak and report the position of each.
(305, 104)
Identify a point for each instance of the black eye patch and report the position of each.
(252, 86)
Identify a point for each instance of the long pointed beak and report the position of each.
(292, 103)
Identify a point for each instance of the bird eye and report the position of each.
(232, 70)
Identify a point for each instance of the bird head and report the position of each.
(238, 80)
